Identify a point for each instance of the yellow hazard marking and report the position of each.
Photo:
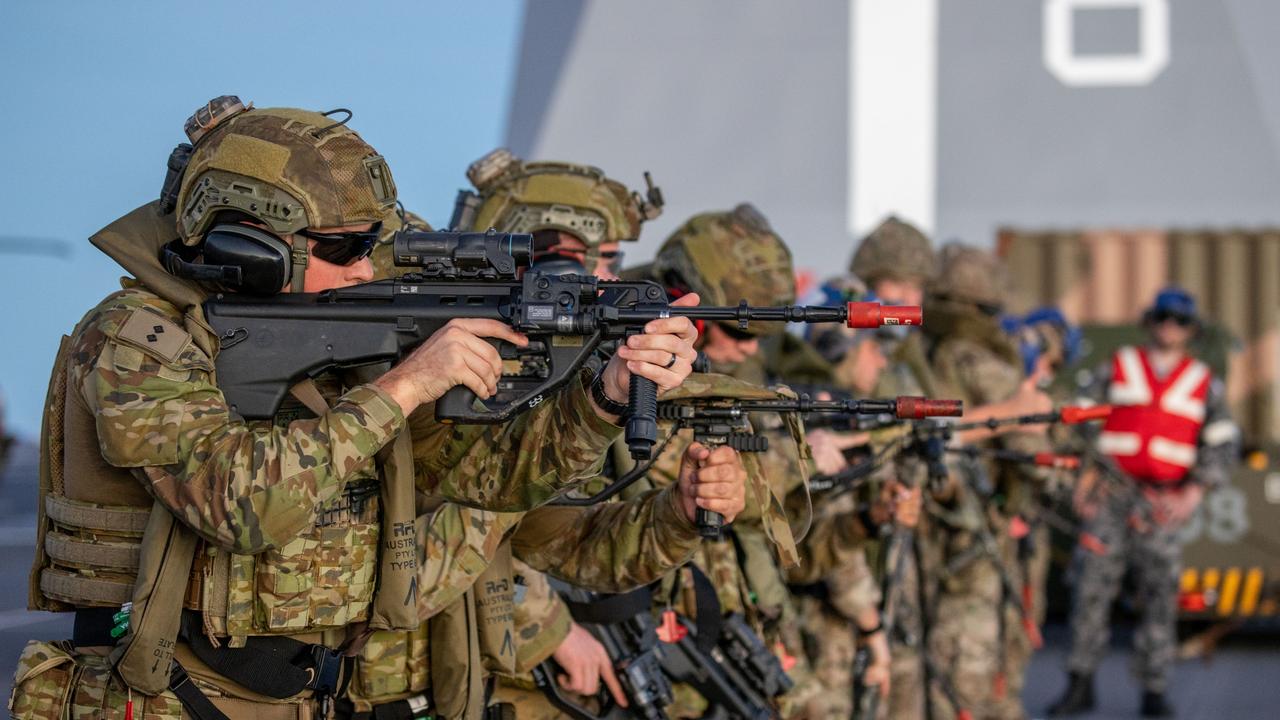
(1230, 589)
(1188, 583)
(1252, 588)
(1210, 579)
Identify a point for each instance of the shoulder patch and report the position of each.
(153, 334)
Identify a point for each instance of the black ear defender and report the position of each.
(237, 258)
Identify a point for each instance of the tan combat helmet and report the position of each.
(525, 197)
(971, 275)
(728, 257)
(895, 250)
(287, 168)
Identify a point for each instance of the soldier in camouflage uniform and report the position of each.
(730, 256)
(1169, 439)
(974, 360)
(615, 561)
(268, 534)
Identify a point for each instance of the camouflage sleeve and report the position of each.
(542, 619)
(244, 488)
(610, 547)
(852, 586)
(835, 536)
(457, 544)
(1219, 441)
(518, 465)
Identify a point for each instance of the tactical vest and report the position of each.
(103, 542)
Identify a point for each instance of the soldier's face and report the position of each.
(570, 246)
(1169, 334)
(322, 275)
(723, 348)
(899, 292)
(870, 362)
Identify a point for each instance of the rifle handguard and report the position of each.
(863, 315)
(909, 407)
(1077, 415)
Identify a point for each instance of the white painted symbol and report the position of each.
(1106, 70)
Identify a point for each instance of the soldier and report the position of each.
(972, 359)
(1168, 439)
(248, 551)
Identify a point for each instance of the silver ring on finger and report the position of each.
(670, 362)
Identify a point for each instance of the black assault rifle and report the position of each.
(719, 421)
(270, 344)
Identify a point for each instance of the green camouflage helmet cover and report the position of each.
(525, 197)
(289, 169)
(970, 274)
(895, 250)
(728, 257)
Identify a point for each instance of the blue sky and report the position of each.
(95, 95)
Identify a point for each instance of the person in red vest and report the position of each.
(1169, 438)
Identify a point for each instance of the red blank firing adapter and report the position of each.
(873, 315)
(910, 407)
(1077, 415)
(1053, 460)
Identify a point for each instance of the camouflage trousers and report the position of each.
(1155, 555)
(968, 641)
(1027, 561)
(906, 669)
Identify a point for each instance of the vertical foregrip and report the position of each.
(642, 418)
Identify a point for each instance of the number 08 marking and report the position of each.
(1106, 70)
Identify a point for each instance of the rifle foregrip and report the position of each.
(642, 418)
(709, 523)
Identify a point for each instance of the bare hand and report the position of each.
(826, 453)
(713, 480)
(456, 354)
(878, 672)
(647, 355)
(906, 508)
(1086, 494)
(587, 663)
(1031, 400)
(1174, 507)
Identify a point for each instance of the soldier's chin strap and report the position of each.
(301, 255)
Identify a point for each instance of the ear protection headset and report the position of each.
(234, 257)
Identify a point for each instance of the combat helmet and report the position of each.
(968, 274)
(525, 197)
(286, 168)
(728, 257)
(895, 250)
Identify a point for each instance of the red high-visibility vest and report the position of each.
(1154, 423)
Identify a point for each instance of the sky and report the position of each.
(95, 95)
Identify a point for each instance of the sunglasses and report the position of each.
(1161, 316)
(343, 248)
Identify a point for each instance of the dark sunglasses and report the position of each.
(343, 248)
(1161, 316)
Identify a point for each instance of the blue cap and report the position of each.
(1173, 300)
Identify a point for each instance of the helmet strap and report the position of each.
(300, 259)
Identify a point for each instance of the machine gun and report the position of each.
(719, 421)
(268, 345)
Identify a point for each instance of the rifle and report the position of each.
(625, 628)
(730, 666)
(269, 344)
(724, 421)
